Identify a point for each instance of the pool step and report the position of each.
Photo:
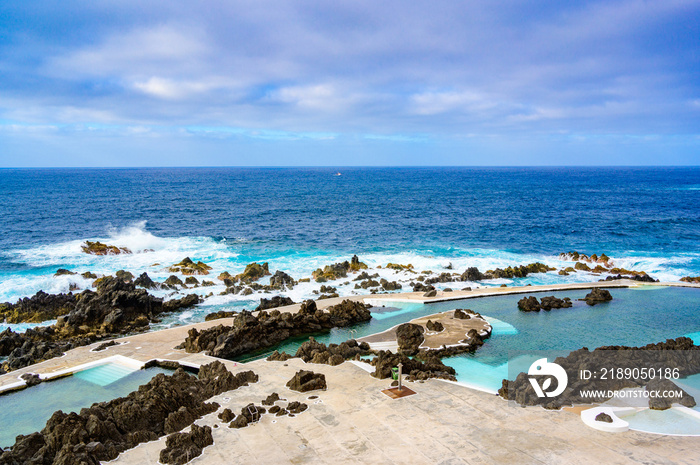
(106, 374)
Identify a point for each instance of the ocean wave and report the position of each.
(153, 254)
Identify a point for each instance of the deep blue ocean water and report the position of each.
(301, 218)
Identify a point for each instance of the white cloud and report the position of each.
(433, 103)
(172, 89)
(136, 52)
(323, 97)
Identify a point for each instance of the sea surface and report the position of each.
(299, 219)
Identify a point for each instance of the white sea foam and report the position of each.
(153, 254)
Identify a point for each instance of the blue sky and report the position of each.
(183, 83)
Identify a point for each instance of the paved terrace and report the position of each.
(443, 424)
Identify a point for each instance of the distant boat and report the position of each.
(338, 174)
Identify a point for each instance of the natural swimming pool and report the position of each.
(635, 317)
(26, 411)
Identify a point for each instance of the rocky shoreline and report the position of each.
(115, 308)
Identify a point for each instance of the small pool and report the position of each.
(671, 421)
(26, 411)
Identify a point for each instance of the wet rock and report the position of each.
(88, 275)
(253, 272)
(471, 274)
(146, 282)
(430, 293)
(441, 278)
(389, 285)
(189, 300)
(399, 267)
(597, 295)
(31, 379)
(644, 278)
(276, 301)
(531, 304)
(191, 281)
(338, 270)
(604, 417)
(188, 267)
(98, 248)
(369, 283)
(124, 276)
(173, 281)
(220, 314)
(281, 280)
(304, 381)
(364, 276)
(691, 279)
(63, 271)
(40, 307)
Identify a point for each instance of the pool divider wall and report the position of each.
(116, 359)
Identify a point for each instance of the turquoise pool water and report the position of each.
(635, 316)
(26, 411)
(670, 421)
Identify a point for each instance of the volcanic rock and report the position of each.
(597, 295)
(276, 301)
(180, 448)
(304, 381)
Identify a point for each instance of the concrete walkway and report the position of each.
(445, 423)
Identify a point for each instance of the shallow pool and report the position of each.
(671, 421)
(26, 411)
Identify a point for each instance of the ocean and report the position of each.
(299, 219)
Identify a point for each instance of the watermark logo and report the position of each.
(542, 368)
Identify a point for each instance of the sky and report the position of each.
(288, 83)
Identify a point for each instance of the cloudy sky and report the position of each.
(175, 83)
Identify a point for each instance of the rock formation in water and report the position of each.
(116, 307)
(188, 267)
(531, 304)
(40, 307)
(597, 296)
(274, 302)
(250, 333)
(662, 359)
(98, 248)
